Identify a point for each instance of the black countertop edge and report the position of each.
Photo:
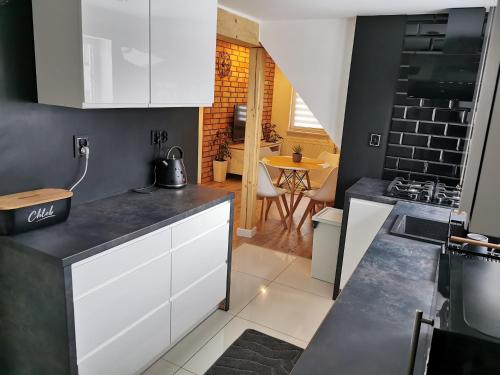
(99, 225)
(369, 328)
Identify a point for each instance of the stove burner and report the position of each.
(427, 191)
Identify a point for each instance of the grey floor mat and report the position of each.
(256, 353)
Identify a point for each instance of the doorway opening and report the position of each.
(286, 123)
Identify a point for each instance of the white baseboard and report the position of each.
(249, 233)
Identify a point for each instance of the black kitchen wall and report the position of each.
(36, 141)
(375, 64)
(427, 137)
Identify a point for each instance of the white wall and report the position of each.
(315, 56)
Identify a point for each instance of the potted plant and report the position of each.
(223, 152)
(297, 153)
(270, 134)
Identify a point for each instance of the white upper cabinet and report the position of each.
(183, 52)
(115, 52)
(125, 53)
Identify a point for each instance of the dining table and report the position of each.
(294, 176)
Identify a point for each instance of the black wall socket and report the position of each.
(159, 137)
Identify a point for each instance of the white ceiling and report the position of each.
(267, 10)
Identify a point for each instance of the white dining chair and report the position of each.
(323, 196)
(267, 192)
(319, 176)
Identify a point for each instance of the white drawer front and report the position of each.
(131, 352)
(193, 260)
(107, 311)
(96, 270)
(194, 303)
(200, 223)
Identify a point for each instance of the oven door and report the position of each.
(466, 339)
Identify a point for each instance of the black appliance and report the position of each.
(428, 192)
(466, 334)
(170, 171)
(451, 74)
(239, 123)
(446, 76)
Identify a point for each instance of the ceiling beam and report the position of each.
(236, 29)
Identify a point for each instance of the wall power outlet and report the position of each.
(79, 141)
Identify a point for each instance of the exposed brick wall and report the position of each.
(268, 90)
(428, 136)
(230, 91)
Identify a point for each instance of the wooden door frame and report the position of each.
(253, 134)
(237, 29)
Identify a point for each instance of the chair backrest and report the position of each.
(326, 193)
(320, 175)
(265, 187)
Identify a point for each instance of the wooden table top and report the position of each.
(286, 162)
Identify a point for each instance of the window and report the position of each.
(302, 119)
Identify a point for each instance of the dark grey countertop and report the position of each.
(100, 225)
(372, 189)
(369, 328)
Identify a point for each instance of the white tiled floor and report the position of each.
(288, 310)
(261, 262)
(194, 341)
(271, 292)
(298, 276)
(162, 367)
(244, 288)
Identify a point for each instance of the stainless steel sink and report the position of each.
(420, 229)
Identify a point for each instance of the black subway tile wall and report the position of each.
(427, 136)
(404, 126)
(431, 128)
(427, 154)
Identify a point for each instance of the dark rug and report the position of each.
(256, 353)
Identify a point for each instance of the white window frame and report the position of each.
(301, 130)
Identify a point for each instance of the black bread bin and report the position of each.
(35, 209)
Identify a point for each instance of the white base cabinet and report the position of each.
(364, 221)
(132, 351)
(193, 303)
(132, 302)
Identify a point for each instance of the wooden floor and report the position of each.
(270, 233)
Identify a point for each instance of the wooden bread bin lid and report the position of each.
(33, 197)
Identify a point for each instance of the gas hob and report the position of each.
(428, 192)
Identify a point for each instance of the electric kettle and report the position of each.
(171, 172)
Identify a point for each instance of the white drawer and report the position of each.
(107, 311)
(132, 351)
(96, 270)
(189, 307)
(200, 223)
(193, 260)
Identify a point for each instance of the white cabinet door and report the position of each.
(196, 302)
(203, 222)
(193, 260)
(183, 34)
(119, 303)
(99, 269)
(365, 220)
(115, 53)
(134, 350)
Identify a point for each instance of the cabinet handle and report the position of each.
(419, 319)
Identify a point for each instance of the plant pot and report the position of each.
(297, 158)
(220, 170)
